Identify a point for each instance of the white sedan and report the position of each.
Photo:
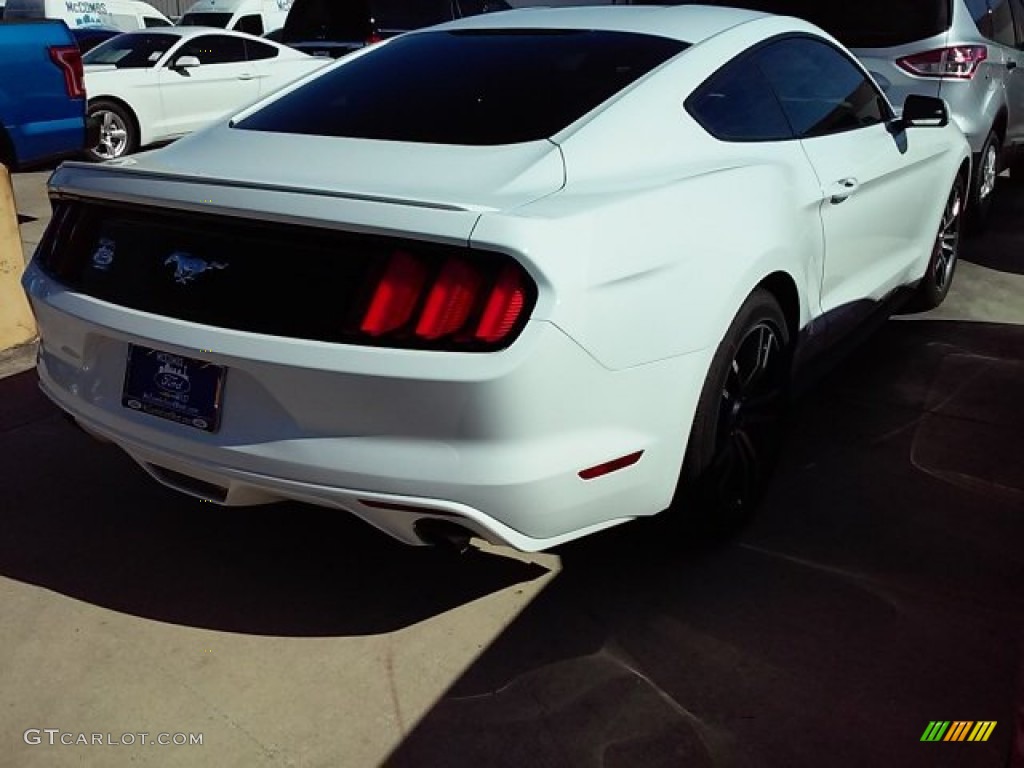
(156, 85)
(523, 276)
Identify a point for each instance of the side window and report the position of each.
(256, 51)
(980, 14)
(152, 21)
(1002, 23)
(737, 104)
(214, 49)
(252, 24)
(821, 90)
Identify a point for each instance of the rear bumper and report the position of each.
(494, 442)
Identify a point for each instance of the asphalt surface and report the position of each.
(877, 589)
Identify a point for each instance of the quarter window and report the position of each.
(257, 51)
(820, 89)
(214, 49)
(737, 104)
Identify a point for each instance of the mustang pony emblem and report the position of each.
(188, 267)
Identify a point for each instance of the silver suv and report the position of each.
(969, 52)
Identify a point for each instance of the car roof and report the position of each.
(185, 33)
(689, 23)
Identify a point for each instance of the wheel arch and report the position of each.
(782, 287)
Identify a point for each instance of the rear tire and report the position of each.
(983, 185)
(737, 429)
(938, 278)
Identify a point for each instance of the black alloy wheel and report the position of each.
(738, 426)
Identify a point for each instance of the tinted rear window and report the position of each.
(860, 23)
(468, 87)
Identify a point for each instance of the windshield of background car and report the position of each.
(205, 20)
(469, 87)
(131, 51)
(861, 23)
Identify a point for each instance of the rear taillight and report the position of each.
(69, 59)
(960, 62)
(453, 302)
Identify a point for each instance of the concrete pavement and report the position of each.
(877, 589)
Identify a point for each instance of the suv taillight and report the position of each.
(69, 59)
(959, 61)
(455, 303)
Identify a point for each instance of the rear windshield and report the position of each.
(136, 51)
(479, 87)
(205, 20)
(861, 23)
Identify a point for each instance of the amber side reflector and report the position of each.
(611, 466)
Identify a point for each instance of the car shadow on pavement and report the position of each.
(877, 589)
(80, 518)
(999, 246)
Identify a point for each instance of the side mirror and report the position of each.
(924, 112)
(186, 62)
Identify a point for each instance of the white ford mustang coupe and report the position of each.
(158, 84)
(523, 276)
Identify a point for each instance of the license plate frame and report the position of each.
(173, 387)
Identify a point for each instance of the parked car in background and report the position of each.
(42, 93)
(523, 276)
(336, 27)
(257, 17)
(125, 15)
(967, 52)
(157, 85)
(89, 37)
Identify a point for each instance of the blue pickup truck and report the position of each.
(42, 93)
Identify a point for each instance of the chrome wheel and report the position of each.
(113, 135)
(947, 242)
(989, 172)
(750, 411)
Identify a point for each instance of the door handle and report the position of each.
(841, 190)
(247, 76)
(1011, 64)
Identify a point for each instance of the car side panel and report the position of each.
(140, 90)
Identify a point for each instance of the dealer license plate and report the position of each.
(173, 387)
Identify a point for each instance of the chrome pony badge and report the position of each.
(187, 267)
(103, 257)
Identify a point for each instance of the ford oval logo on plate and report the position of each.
(172, 383)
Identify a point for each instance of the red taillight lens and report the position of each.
(445, 302)
(69, 59)
(503, 307)
(450, 301)
(960, 62)
(396, 295)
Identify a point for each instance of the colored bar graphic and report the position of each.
(958, 730)
(982, 731)
(935, 731)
